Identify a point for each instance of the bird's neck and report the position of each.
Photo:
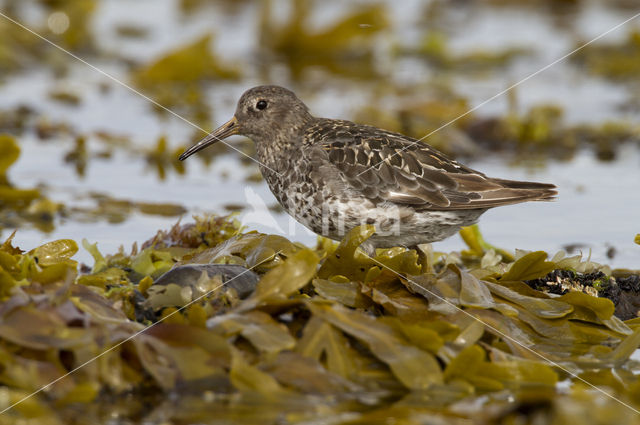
(276, 154)
(277, 150)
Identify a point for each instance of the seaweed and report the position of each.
(542, 131)
(345, 48)
(78, 34)
(21, 204)
(65, 97)
(326, 331)
(437, 53)
(616, 61)
(175, 79)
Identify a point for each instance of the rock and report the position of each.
(183, 284)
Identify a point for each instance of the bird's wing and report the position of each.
(386, 166)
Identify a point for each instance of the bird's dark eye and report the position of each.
(261, 104)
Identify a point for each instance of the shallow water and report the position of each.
(598, 205)
(591, 210)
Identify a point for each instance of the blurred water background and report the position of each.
(103, 158)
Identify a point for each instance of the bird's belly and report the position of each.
(333, 217)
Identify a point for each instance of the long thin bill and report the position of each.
(225, 130)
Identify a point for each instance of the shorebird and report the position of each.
(332, 175)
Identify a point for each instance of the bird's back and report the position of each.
(389, 167)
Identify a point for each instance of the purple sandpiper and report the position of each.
(332, 175)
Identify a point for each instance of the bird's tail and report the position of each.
(530, 191)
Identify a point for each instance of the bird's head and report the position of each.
(265, 114)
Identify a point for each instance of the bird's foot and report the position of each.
(425, 255)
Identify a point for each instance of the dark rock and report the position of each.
(623, 292)
(233, 276)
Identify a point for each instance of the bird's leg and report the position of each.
(368, 248)
(424, 251)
